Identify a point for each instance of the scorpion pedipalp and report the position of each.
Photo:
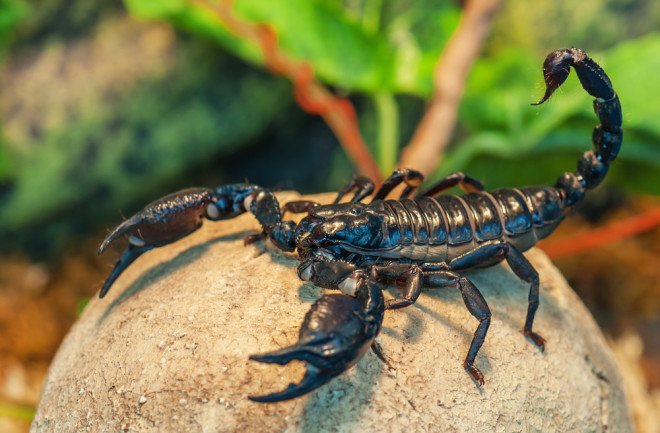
(171, 218)
(336, 333)
(159, 223)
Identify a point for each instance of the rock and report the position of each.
(168, 347)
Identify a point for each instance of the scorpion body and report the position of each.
(420, 242)
(437, 229)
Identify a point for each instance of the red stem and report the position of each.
(310, 95)
(602, 236)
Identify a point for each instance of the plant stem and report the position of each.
(371, 15)
(16, 412)
(388, 131)
(433, 133)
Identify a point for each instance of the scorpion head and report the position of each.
(346, 232)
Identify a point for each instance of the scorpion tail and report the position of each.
(607, 136)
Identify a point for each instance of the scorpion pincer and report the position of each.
(420, 242)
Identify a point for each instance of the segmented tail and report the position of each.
(607, 136)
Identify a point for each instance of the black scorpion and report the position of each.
(418, 242)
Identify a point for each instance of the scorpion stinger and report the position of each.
(425, 242)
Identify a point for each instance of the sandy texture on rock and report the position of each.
(168, 347)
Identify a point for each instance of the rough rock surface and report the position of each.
(168, 347)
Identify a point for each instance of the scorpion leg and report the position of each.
(298, 206)
(464, 182)
(410, 275)
(436, 276)
(519, 265)
(362, 185)
(526, 272)
(412, 179)
(336, 333)
(476, 305)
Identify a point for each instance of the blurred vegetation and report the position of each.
(104, 109)
(11, 12)
(105, 106)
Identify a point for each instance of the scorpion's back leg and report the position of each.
(415, 277)
(476, 305)
(464, 182)
(363, 186)
(519, 265)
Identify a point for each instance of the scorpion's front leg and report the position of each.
(173, 217)
(363, 186)
(264, 206)
(337, 330)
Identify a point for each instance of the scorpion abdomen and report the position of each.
(444, 227)
(528, 214)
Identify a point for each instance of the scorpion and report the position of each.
(421, 242)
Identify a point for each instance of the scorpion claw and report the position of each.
(159, 223)
(124, 261)
(312, 379)
(334, 336)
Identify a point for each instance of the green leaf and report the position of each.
(502, 128)
(343, 50)
(11, 12)
(633, 68)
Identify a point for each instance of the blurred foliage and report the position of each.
(536, 27)
(499, 127)
(11, 12)
(392, 54)
(133, 107)
(375, 47)
(369, 46)
(102, 112)
(17, 412)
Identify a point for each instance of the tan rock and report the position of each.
(168, 348)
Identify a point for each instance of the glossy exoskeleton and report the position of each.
(420, 242)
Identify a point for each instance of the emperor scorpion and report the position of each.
(425, 241)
